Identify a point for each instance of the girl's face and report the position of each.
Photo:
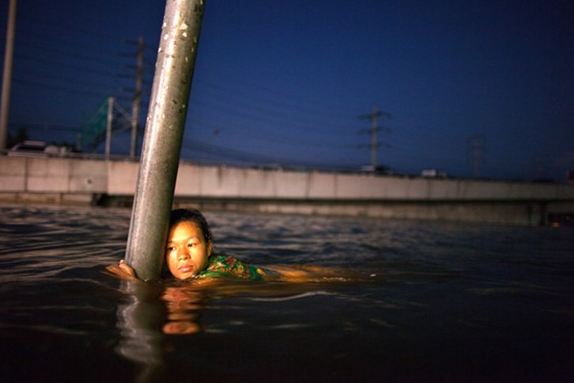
(187, 252)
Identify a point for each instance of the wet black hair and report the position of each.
(191, 215)
(187, 215)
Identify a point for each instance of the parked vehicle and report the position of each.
(37, 149)
(433, 173)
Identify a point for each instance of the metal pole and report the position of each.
(7, 76)
(109, 122)
(163, 134)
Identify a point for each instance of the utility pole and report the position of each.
(136, 102)
(161, 147)
(7, 75)
(476, 148)
(539, 167)
(374, 117)
(109, 123)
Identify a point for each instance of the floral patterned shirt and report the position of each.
(225, 266)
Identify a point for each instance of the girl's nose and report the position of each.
(182, 254)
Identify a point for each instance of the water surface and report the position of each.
(433, 302)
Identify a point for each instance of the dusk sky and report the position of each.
(283, 82)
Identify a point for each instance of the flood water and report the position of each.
(428, 302)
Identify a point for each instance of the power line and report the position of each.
(64, 41)
(67, 27)
(280, 102)
(266, 119)
(69, 53)
(304, 97)
(46, 127)
(264, 133)
(247, 157)
(57, 87)
(62, 64)
(287, 142)
(62, 78)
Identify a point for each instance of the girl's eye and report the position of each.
(190, 244)
(170, 248)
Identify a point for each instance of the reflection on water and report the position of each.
(139, 321)
(428, 301)
(148, 312)
(183, 309)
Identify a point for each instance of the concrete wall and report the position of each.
(58, 175)
(61, 180)
(211, 181)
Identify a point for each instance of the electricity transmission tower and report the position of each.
(109, 117)
(136, 102)
(476, 153)
(374, 118)
(136, 92)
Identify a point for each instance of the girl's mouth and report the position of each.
(185, 268)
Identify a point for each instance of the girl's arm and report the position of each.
(305, 273)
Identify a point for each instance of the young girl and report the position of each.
(189, 255)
